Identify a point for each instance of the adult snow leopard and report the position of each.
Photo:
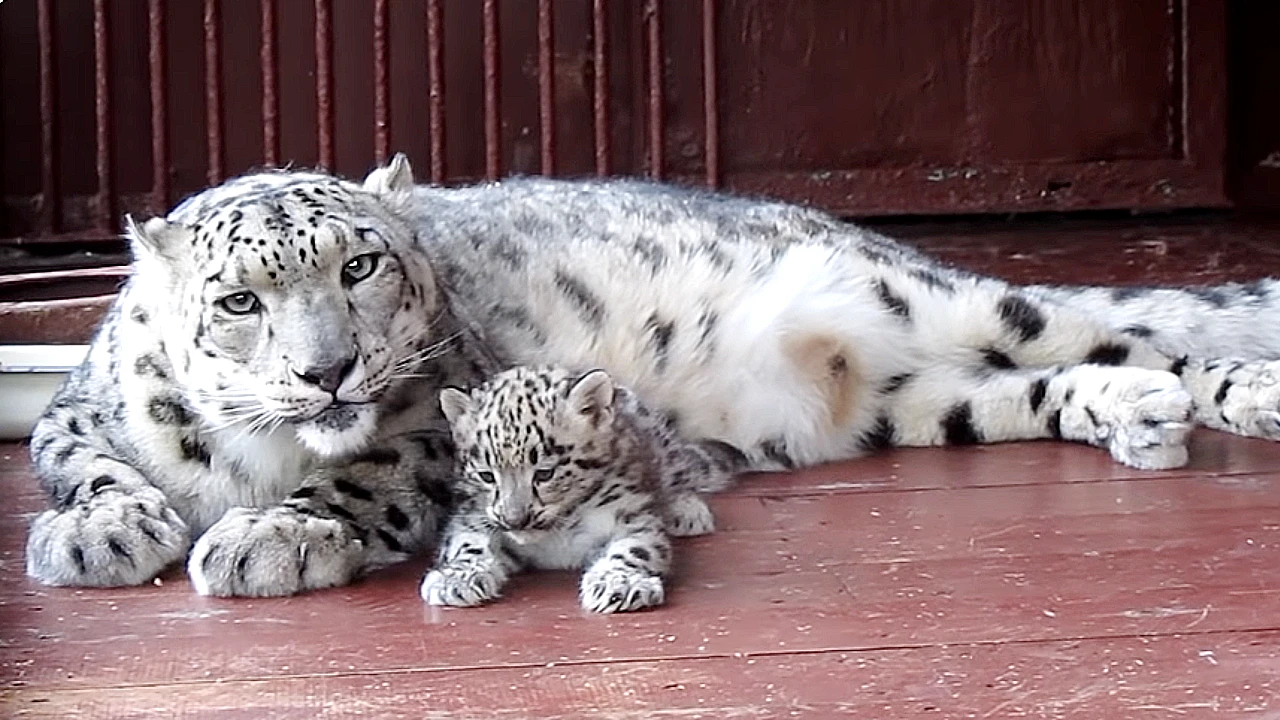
(266, 383)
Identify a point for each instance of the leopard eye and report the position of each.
(542, 475)
(485, 477)
(241, 303)
(359, 267)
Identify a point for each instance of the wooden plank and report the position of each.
(1230, 675)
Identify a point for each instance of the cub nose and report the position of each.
(509, 519)
(327, 377)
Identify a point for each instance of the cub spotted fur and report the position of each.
(565, 470)
(265, 388)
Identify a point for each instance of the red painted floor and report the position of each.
(1024, 580)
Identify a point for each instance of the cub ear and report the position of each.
(158, 239)
(394, 177)
(454, 403)
(591, 398)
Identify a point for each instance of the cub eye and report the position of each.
(485, 477)
(241, 303)
(542, 475)
(359, 267)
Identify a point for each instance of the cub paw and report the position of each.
(273, 552)
(688, 515)
(1147, 420)
(620, 590)
(114, 539)
(1249, 401)
(461, 586)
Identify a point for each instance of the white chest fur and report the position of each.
(563, 550)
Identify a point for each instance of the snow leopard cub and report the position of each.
(563, 470)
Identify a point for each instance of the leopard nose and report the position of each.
(509, 519)
(327, 377)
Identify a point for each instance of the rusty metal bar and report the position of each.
(710, 94)
(156, 44)
(600, 89)
(547, 86)
(50, 191)
(213, 90)
(270, 57)
(435, 94)
(657, 131)
(105, 204)
(492, 101)
(324, 82)
(381, 81)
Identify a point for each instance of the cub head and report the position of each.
(528, 440)
(289, 298)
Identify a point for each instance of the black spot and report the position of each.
(1021, 317)
(1122, 294)
(100, 482)
(776, 450)
(651, 253)
(347, 487)
(958, 427)
(1212, 295)
(380, 456)
(73, 426)
(119, 550)
(660, 339)
(881, 436)
(138, 315)
(1038, 390)
(149, 365)
(242, 567)
(193, 449)
(168, 411)
(896, 383)
(1107, 354)
(1223, 389)
(65, 454)
(339, 511)
(1138, 331)
(892, 302)
(396, 517)
(1179, 365)
(640, 553)
(589, 307)
(998, 359)
(303, 493)
(434, 489)
(933, 280)
(1054, 424)
(77, 557)
(1093, 417)
(389, 540)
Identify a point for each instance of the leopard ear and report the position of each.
(454, 403)
(159, 240)
(591, 398)
(394, 177)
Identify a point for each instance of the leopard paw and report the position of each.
(114, 539)
(616, 589)
(1142, 416)
(273, 552)
(462, 585)
(688, 515)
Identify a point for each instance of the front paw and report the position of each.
(688, 515)
(619, 590)
(273, 552)
(462, 586)
(114, 539)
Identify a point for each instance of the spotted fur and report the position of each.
(266, 383)
(566, 470)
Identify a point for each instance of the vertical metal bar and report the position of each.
(50, 192)
(492, 106)
(435, 95)
(324, 82)
(270, 58)
(546, 87)
(710, 94)
(156, 44)
(657, 131)
(105, 205)
(213, 89)
(381, 81)
(600, 94)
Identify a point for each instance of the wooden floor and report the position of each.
(1024, 580)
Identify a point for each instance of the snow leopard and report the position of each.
(262, 399)
(565, 470)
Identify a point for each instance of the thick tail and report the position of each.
(1233, 320)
